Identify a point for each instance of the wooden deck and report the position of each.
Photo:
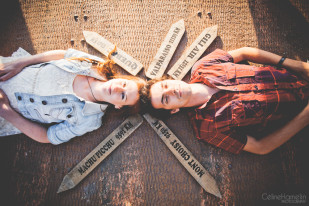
(142, 171)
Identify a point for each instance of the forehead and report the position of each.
(156, 94)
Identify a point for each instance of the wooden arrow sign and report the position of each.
(120, 57)
(184, 156)
(193, 53)
(166, 50)
(93, 159)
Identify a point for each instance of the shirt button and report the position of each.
(31, 100)
(64, 100)
(44, 102)
(69, 116)
(19, 98)
(256, 87)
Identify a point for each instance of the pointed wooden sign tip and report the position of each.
(87, 33)
(181, 21)
(216, 192)
(215, 28)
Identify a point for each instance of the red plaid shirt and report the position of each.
(248, 95)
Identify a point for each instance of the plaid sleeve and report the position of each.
(225, 138)
(216, 57)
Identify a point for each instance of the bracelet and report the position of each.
(281, 61)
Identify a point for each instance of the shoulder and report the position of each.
(216, 57)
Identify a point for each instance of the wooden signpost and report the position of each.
(93, 159)
(193, 53)
(120, 57)
(166, 50)
(184, 156)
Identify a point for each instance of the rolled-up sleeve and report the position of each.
(64, 131)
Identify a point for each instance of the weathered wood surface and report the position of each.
(137, 172)
(98, 154)
(120, 57)
(165, 53)
(184, 156)
(193, 53)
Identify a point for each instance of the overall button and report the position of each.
(64, 100)
(31, 100)
(44, 102)
(19, 98)
(69, 116)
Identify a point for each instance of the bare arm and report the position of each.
(282, 135)
(31, 129)
(263, 57)
(8, 70)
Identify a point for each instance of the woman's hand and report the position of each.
(8, 70)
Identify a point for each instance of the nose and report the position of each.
(118, 88)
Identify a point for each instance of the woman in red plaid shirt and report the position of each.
(226, 98)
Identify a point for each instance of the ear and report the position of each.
(117, 107)
(173, 111)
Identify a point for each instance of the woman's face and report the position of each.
(121, 92)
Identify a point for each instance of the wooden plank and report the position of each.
(166, 50)
(184, 156)
(93, 159)
(193, 53)
(120, 57)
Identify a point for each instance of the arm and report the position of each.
(263, 57)
(277, 138)
(29, 128)
(8, 70)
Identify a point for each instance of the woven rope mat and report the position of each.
(142, 171)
